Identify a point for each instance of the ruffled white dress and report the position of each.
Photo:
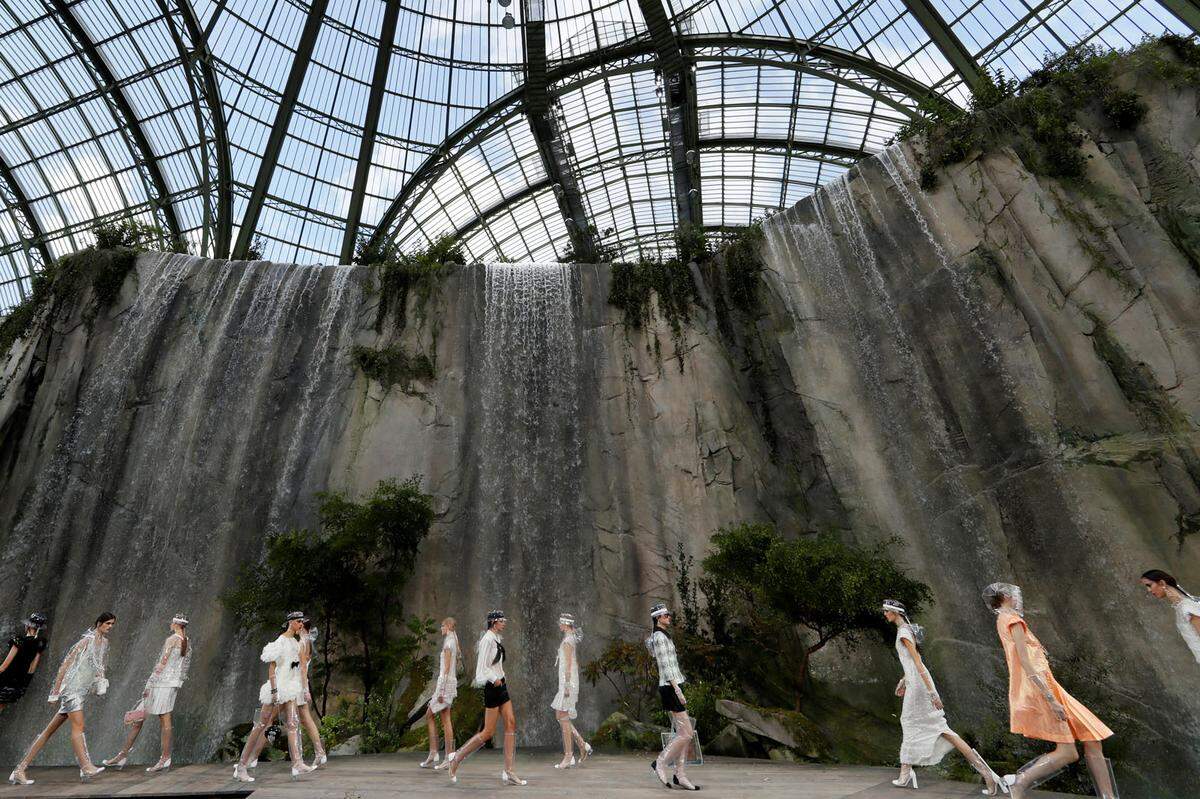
(447, 681)
(568, 678)
(284, 652)
(921, 722)
(169, 673)
(81, 673)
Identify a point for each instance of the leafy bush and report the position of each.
(393, 366)
(399, 273)
(744, 266)
(786, 599)
(1037, 116)
(628, 669)
(351, 575)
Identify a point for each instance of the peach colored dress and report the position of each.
(1029, 712)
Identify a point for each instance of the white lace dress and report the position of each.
(447, 682)
(284, 652)
(169, 673)
(81, 673)
(922, 723)
(568, 677)
(1184, 611)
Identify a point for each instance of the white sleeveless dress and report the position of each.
(922, 723)
(565, 700)
(447, 681)
(1183, 622)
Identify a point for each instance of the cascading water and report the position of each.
(530, 553)
(170, 473)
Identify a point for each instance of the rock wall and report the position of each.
(1002, 373)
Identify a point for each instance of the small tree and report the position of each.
(795, 596)
(627, 667)
(351, 576)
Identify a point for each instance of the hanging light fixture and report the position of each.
(504, 3)
(509, 22)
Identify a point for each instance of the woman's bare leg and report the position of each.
(431, 727)
(262, 741)
(79, 742)
(490, 715)
(1030, 775)
(974, 758)
(40, 741)
(510, 737)
(312, 730)
(254, 741)
(135, 730)
(564, 724)
(579, 739)
(448, 731)
(1093, 753)
(165, 735)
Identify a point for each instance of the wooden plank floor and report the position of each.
(619, 776)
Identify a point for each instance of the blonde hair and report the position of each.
(450, 622)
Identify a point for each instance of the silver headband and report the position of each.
(566, 620)
(663, 611)
(180, 619)
(894, 608)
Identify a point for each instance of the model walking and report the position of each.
(308, 639)
(662, 649)
(444, 692)
(489, 673)
(158, 698)
(286, 684)
(80, 675)
(927, 737)
(24, 655)
(1039, 707)
(1161, 585)
(568, 692)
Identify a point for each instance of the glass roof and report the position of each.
(522, 128)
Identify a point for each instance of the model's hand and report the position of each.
(901, 688)
(682, 698)
(146, 694)
(307, 697)
(566, 692)
(441, 699)
(936, 701)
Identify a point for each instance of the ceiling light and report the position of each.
(504, 3)
(509, 22)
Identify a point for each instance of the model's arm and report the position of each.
(36, 660)
(1035, 676)
(305, 655)
(12, 653)
(570, 660)
(445, 673)
(1195, 620)
(67, 663)
(924, 672)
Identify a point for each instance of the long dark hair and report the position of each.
(1158, 575)
(102, 618)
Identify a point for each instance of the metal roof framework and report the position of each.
(305, 125)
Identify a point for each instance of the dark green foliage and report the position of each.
(789, 598)
(393, 366)
(350, 576)
(400, 273)
(1037, 117)
(633, 286)
(103, 270)
(629, 671)
(1124, 108)
(1185, 48)
(692, 243)
(256, 249)
(744, 266)
(127, 233)
(601, 254)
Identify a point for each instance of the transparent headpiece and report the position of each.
(993, 593)
(659, 610)
(179, 618)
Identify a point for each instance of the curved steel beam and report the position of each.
(383, 60)
(829, 153)
(683, 124)
(279, 129)
(199, 59)
(18, 204)
(1187, 11)
(507, 105)
(946, 41)
(143, 154)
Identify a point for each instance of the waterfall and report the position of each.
(532, 558)
(206, 424)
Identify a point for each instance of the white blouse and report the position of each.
(486, 650)
(172, 668)
(82, 671)
(1184, 611)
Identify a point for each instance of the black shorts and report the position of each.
(11, 693)
(670, 700)
(495, 695)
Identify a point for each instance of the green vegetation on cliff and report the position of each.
(1037, 117)
(400, 273)
(394, 366)
(103, 267)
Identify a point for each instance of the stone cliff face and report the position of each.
(1002, 373)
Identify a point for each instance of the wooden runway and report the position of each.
(603, 776)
